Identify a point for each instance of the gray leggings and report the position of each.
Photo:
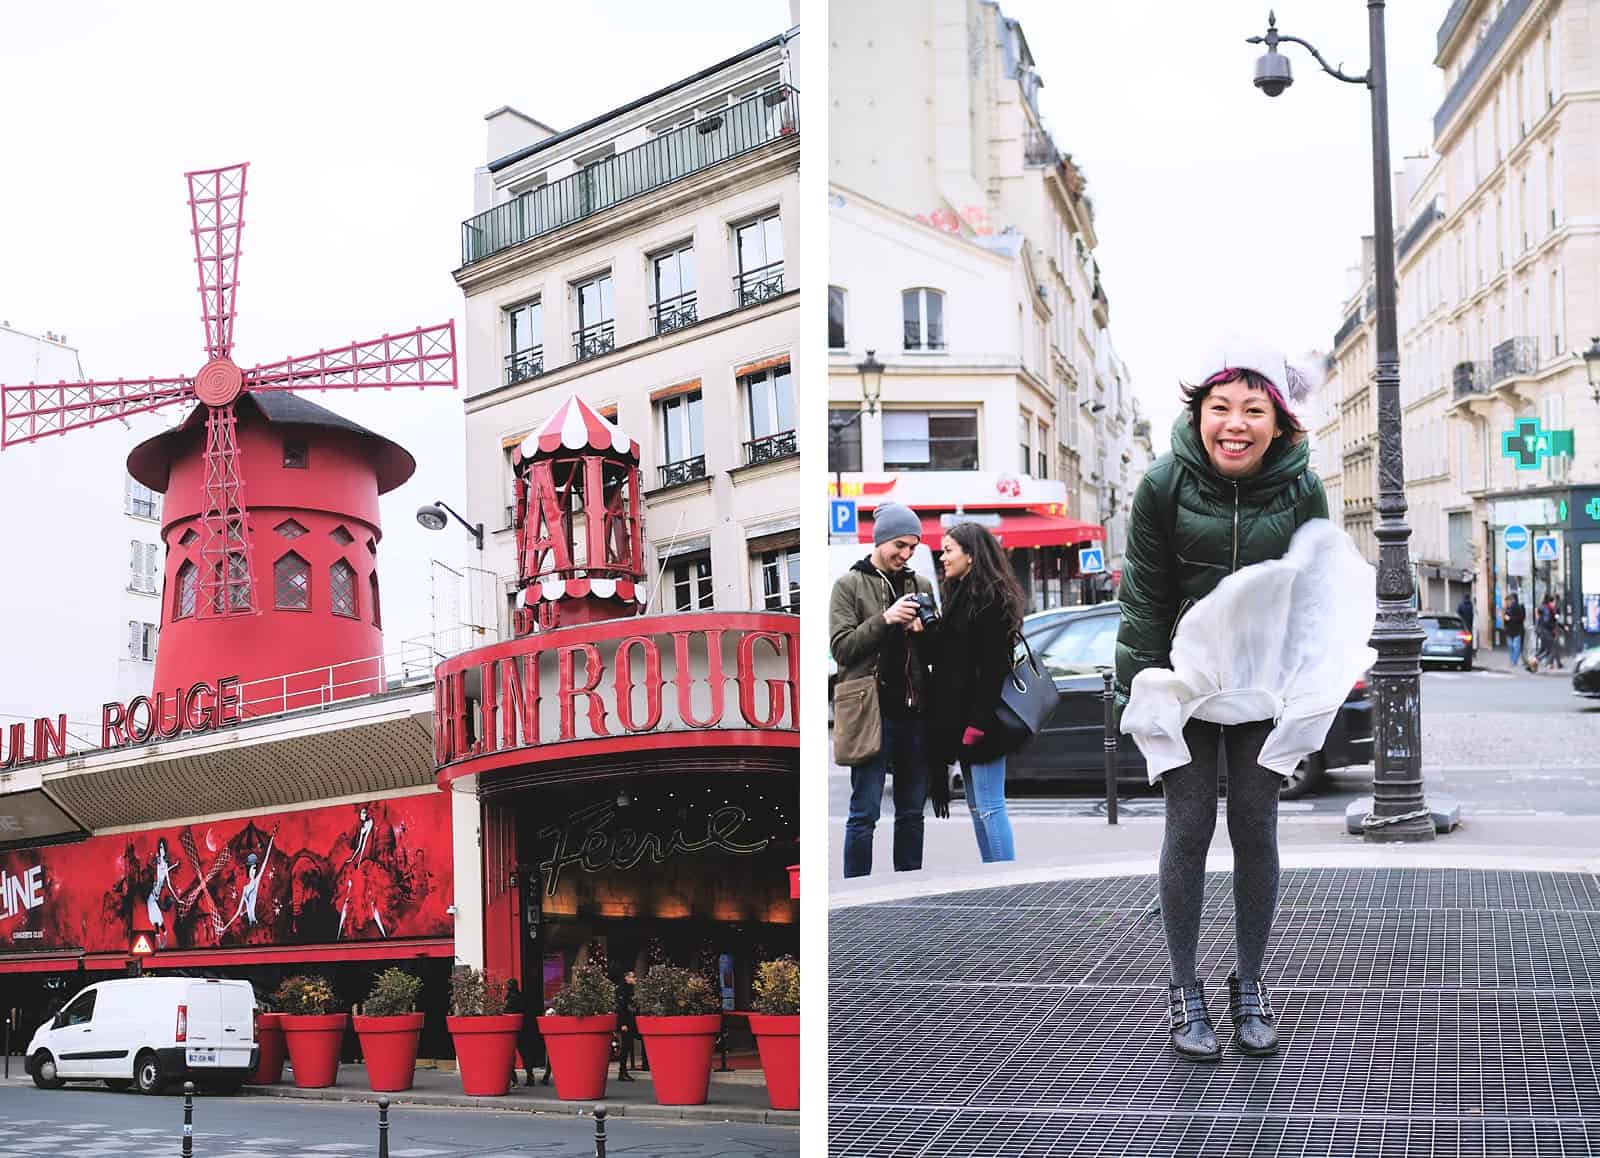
(1191, 793)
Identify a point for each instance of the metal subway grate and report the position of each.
(1435, 1012)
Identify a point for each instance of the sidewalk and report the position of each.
(739, 1096)
(1439, 999)
(1499, 659)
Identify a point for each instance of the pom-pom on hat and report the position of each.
(1293, 380)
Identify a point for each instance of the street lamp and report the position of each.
(871, 371)
(433, 518)
(1591, 363)
(1399, 812)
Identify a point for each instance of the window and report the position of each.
(142, 567)
(139, 500)
(342, 589)
(295, 454)
(923, 312)
(524, 341)
(780, 580)
(237, 585)
(682, 439)
(835, 318)
(673, 290)
(1025, 438)
(595, 334)
(81, 1011)
(691, 583)
(844, 439)
(930, 440)
(141, 641)
(291, 583)
(769, 397)
(372, 591)
(341, 536)
(188, 591)
(289, 529)
(1044, 451)
(189, 538)
(759, 245)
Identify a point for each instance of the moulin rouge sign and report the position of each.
(200, 708)
(607, 682)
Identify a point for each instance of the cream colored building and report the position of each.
(1355, 362)
(647, 261)
(1321, 416)
(1504, 261)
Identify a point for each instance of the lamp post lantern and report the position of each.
(1591, 365)
(1399, 812)
(871, 371)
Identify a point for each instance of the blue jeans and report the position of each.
(902, 754)
(986, 801)
(1514, 642)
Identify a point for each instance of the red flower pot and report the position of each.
(778, 1039)
(580, 1054)
(680, 1056)
(269, 1038)
(484, 1049)
(314, 1040)
(389, 1045)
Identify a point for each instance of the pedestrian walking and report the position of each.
(1548, 627)
(971, 647)
(877, 615)
(625, 1025)
(1513, 622)
(1232, 491)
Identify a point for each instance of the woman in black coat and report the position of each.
(973, 649)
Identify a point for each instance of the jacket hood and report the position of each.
(864, 565)
(1284, 463)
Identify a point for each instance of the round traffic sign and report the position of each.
(1516, 537)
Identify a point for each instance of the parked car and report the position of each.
(1586, 674)
(1449, 643)
(149, 1031)
(1075, 644)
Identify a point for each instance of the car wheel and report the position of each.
(118, 1085)
(44, 1071)
(1305, 779)
(1467, 664)
(147, 1072)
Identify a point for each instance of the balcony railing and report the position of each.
(687, 470)
(1515, 356)
(1417, 228)
(1469, 378)
(913, 337)
(1486, 50)
(754, 286)
(1039, 149)
(673, 314)
(771, 448)
(593, 341)
(694, 148)
(524, 364)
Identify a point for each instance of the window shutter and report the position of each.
(135, 637)
(135, 554)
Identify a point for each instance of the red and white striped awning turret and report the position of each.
(575, 426)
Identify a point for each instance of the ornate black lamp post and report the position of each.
(871, 371)
(1399, 812)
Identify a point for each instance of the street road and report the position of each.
(88, 1122)
(1500, 743)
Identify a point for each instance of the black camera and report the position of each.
(927, 614)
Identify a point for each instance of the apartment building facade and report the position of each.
(647, 261)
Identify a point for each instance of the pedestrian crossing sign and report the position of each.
(1091, 560)
(142, 946)
(1544, 548)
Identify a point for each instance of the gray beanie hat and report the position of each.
(891, 520)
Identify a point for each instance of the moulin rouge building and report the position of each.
(602, 781)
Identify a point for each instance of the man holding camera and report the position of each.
(878, 610)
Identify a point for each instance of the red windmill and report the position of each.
(226, 578)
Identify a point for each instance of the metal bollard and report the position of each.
(1110, 744)
(600, 1131)
(383, 1128)
(188, 1120)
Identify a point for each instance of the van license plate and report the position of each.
(201, 1057)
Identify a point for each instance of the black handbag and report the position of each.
(1027, 697)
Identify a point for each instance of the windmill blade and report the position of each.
(32, 412)
(425, 356)
(227, 575)
(216, 208)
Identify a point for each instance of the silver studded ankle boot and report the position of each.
(1193, 1036)
(1254, 1033)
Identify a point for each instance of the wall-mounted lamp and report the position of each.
(433, 517)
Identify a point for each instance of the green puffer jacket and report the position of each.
(1190, 527)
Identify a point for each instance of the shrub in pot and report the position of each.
(679, 1019)
(312, 1030)
(485, 1035)
(577, 1034)
(776, 1025)
(389, 1026)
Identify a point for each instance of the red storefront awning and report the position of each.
(1016, 529)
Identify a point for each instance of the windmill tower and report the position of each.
(235, 601)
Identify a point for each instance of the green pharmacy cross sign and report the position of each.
(1593, 509)
(1529, 445)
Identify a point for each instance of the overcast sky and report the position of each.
(362, 123)
(1216, 207)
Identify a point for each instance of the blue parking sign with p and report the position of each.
(842, 516)
(1091, 560)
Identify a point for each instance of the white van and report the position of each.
(148, 1031)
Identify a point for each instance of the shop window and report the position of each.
(342, 589)
(930, 440)
(187, 593)
(291, 583)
